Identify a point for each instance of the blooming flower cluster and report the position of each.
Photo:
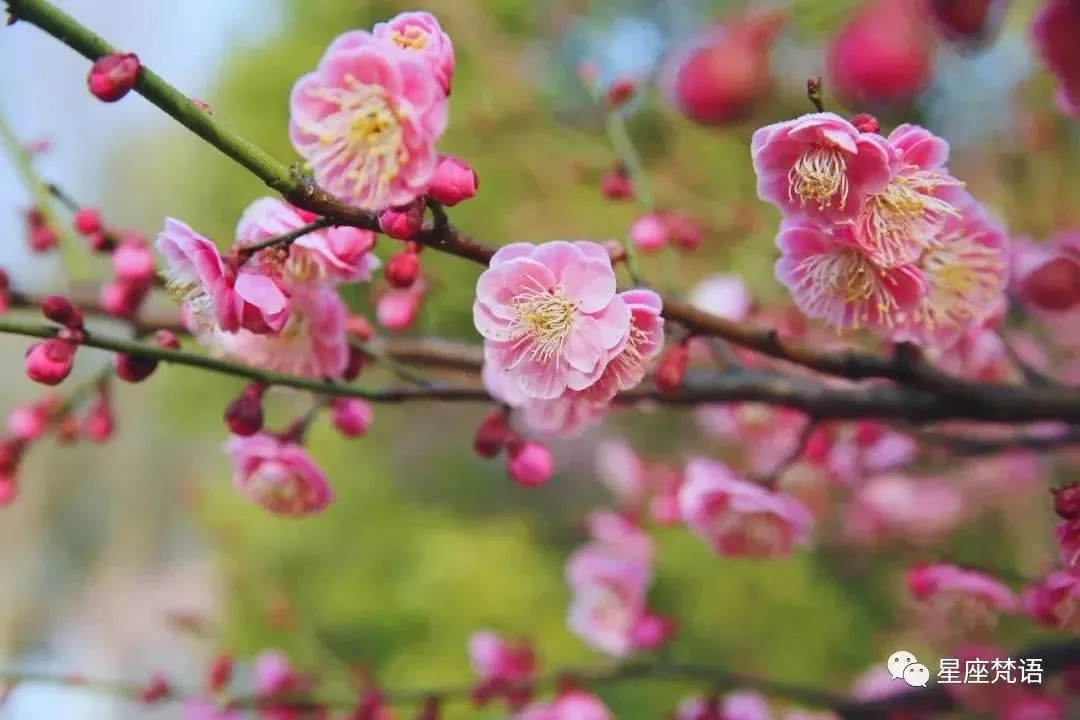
(876, 233)
(559, 340)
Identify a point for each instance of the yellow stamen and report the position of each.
(849, 278)
(820, 176)
(902, 219)
(544, 318)
(964, 278)
(412, 38)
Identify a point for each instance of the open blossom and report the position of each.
(314, 342)
(336, 253)
(899, 222)
(862, 449)
(626, 369)
(621, 471)
(959, 598)
(565, 416)
(574, 705)
(366, 120)
(767, 434)
(1054, 31)
(550, 316)
(624, 538)
(920, 511)
(213, 294)
(608, 603)
(1055, 602)
(830, 279)
(420, 33)
(820, 165)
(737, 517)
(966, 267)
(278, 475)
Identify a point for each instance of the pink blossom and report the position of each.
(566, 416)
(620, 535)
(212, 293)
(574, 705)
(550, 316)
(313, 343)
(493, 658)
(1067, 534)
(530, 465)
(649, 233)
(1054, 32)
(737, 517)
(204, 709)
(831, 280)
(767, 434)
(966, 267)
(420, 33)
(1055, 602)
(336, 253)
(900, 221)
(274, 677)
(739, 705)
(27, 423)
(894, 505)
(366, 120)
(621, 471)
(278, 475)
(397, 309)
(626, 369)
(724, 295)
(867, 448)
(608, 598)
(352, 417)
(958, 598)
(820, 165)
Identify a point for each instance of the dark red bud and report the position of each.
(113, 76)
(1067, 501)
(244, 415)
(62, 311)
(402, 270)
(671, 370)
(491, 436)
(134, 368)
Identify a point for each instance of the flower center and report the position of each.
(545, 318)
(901, 220)
(411, 38)
(964, 277)
(280, 491)
(819, 175)
(362, 140)
(847, 276)
(610, 608)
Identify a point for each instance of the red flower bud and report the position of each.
(167, 339)
(357, 361)
(491, 436)
(219, 674)
(49, 362)
(1054, 286)
(1067, 501)
(244, 415)
(113, 76)
(867, 123)
(616, 185)
(402, 223)
(530, 464)
(155, 691)
(671, 370)
(134, 368)
(453, 182)
(62, 311)
(352, 417)
(99, 424)
(402, 269)
(87, 221)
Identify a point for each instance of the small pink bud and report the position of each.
(167, 339)
(42, 238)
(453, 182)
(1067, 501)
(530, 464)
(652, 631)
(87, 221)
(133, 262)
(616, 185)
(685, 234)
(122, 299)
(49, 362)
(1054, 286)
(360, 328)
(113, 76)
(402, 269)
(202, 105)
(9, 488)
(357, 361)
(62, 311)
(244, 415)
(866, 123)
(352, 417)
(134, 368)
(671, 369)
(619, 93)
(99, 424)
(649, 233)
(402, 223)
(219, 674)
(491, 436)
(27, 423)
(397, 310)
(155, 691)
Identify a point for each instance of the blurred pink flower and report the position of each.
(420, 32)
(1055, 602)
(278, 475)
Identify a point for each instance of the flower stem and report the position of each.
(623, 144)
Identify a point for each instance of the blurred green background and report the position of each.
(426, 543)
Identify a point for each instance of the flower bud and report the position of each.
(133, 262)
(134, 368)
(619, 93)
(671, 370)
(166, 339)
(683, 232)
(122, 299)
(156, 690)
(42, 238)
(352, 417)
(453, 182)
(616, 185)
(11, 454)
(49, 362)
(530, 464)
(100, 423)
(652, 631)
(402, 269)
(219, 674)
(491, 436)
(402, 223)
(397, 310)
(1067, 501)
(113, 76)
(357, 361)
(649, 233)
(244, 415)
(62, 311)
(9, 488)
(866, 123)
(67, 429)
(360, 328)
(87, 221)
(1053, 286)
(27, 423)
(100, 242)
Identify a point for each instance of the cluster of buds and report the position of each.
(528, 463)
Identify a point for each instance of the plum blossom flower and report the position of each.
(279, 475)
(865, 448)
(550, 316)
(832, 280)
(958, 598)
(1054, 31)
(366, 120)
(737, 517)
(898, 222)
(313, 343)
(919, 511)
(820, 165)
(340, 254)
(1055, 602)
(626, 369)
(766, 434)
(623, 537)
(211, 292)
(723, 295)
(966, 268)
(608, 603)
(501, 666)
(275, 677)
(420, 33)
(574, 705)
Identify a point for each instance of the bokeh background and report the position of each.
(121, 560)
